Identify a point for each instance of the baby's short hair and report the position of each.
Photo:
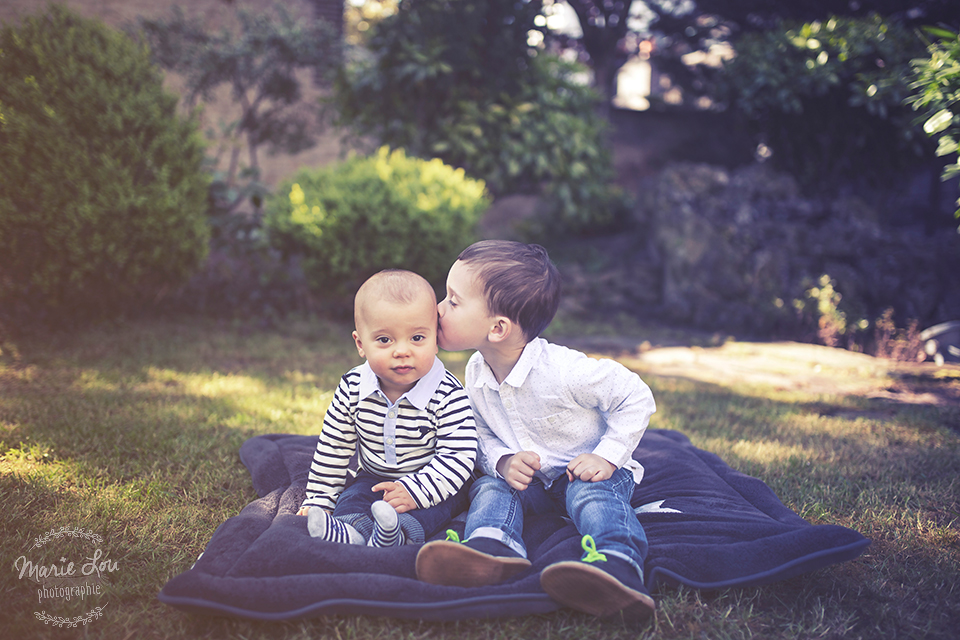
(394, 285)
(518, 280)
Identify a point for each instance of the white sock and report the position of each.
(386, 526)
(322, 525)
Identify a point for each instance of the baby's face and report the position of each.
(399, 341)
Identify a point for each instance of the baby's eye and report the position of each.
(451, 303)
(419, 338)
(383, 340)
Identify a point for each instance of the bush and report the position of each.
(265, 65)
(826, 98)
(937, 87)
(355, 218)
(461, 81)
(102, 198)
(892, 343)
(821, 307)
(244, 278)
(547, 138)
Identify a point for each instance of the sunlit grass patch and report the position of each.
(767, 453)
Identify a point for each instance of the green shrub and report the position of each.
(826, 98)
(265, 62)
(937, 93)
(102, 197)
(821, 306)
(355, 218)
(461, 81)
(546, 138)
(893, 343)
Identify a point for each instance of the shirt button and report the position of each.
(389, 440)
(392, 414)
(508, 404)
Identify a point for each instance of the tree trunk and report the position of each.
(604, 25)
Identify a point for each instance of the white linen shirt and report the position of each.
(558, 403)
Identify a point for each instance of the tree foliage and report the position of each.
(261, 63)
(937, 86)
(460, 81)
(102, 194)
(611, 29)
(605, 24)
(827, 97)
(727, 21)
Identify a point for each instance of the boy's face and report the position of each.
(464, 317)
(399, 342)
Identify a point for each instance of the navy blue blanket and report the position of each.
(708, 527)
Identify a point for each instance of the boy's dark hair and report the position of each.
(518, 280)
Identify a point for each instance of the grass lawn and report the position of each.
(132, 431)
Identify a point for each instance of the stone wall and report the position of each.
(731, 249)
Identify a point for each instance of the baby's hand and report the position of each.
(590, 467)
(397, 496)
(303, 511)
(519, 468)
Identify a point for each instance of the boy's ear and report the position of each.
(356, 339)
(502, 329)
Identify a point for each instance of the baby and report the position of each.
(406, 417)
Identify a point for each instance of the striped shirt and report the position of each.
(427, 440)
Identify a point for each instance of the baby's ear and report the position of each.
(356, 339)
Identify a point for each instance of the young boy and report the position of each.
(556, 431)
(406, 417)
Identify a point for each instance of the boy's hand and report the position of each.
(397, 496)
(519, 468)
(590, 467)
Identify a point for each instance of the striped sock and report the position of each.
(386, 527)
(322, 525)
(362, 522)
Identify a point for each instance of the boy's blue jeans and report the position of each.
(599, 509)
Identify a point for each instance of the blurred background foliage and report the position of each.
(260, 64)
(463, 82)
(384, 211)
(102, 193)
(937, 95)
(827, 98)
(849, 106)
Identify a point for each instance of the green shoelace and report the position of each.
(591, 548)
(587, 543)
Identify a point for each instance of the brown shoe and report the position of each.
(454, 564)
(587, 588)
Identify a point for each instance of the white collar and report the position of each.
(419, 396)
(518, 374)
